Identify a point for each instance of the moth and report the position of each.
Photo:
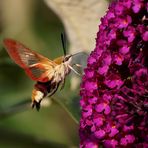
(48, 74)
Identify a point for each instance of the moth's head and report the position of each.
(67, 58)
(63, 59)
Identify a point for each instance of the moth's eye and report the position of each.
(66, 58)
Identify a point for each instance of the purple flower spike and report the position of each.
(114, 89)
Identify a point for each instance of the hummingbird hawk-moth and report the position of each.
(48, 74)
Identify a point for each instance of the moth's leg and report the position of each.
(62, 84)
(54, 90)
(74, 70)
(77, 65)
(80, 67)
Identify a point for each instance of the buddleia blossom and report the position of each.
(114, 89)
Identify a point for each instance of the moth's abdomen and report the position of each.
(40, 91)
(37, 95)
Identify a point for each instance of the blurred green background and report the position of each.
(32, 23)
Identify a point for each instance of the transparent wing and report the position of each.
(35, 65)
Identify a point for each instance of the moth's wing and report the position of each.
(35, 65)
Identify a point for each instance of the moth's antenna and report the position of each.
(63, 39)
